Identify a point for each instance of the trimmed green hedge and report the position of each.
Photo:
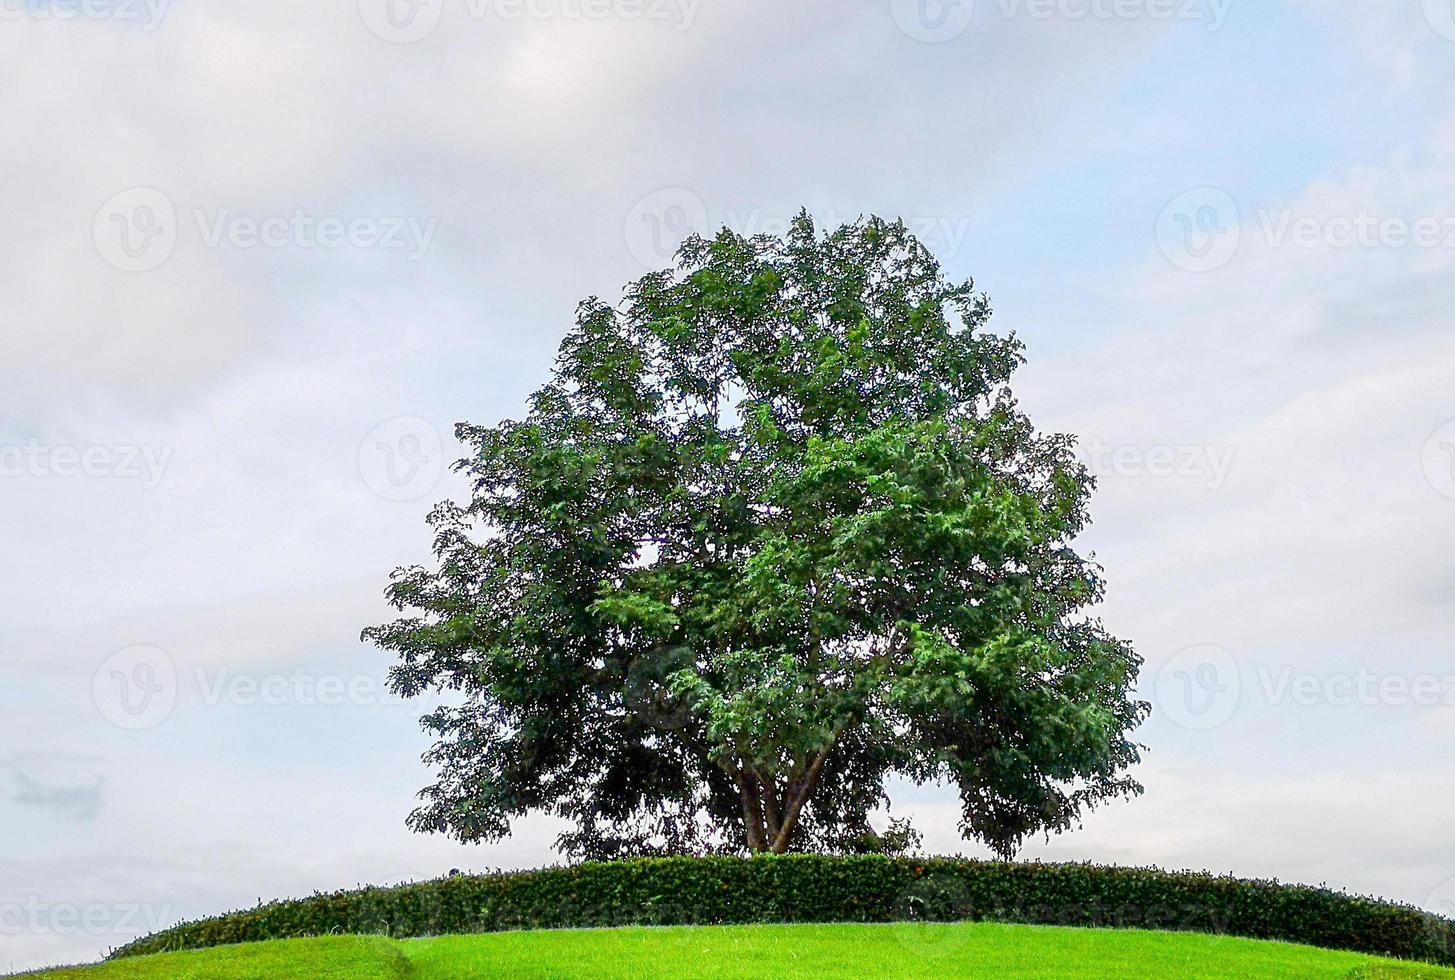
(814, 888)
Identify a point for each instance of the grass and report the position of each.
(855, 951)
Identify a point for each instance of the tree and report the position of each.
(774, 530)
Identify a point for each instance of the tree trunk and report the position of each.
(752, 813)
(796, 799)
(769, 817)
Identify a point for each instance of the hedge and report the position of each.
(817, 888)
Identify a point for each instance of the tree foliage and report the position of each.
(774, 531)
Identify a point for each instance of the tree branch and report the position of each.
(770, 805)
(800, 796)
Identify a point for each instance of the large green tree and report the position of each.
(774, 531)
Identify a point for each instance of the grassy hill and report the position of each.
(903, 949)
(810, 888)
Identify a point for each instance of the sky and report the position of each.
(256, 260)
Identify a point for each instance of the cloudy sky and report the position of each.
(256, 259)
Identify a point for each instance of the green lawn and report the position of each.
(857, 951)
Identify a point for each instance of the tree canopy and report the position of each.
(774, 531)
